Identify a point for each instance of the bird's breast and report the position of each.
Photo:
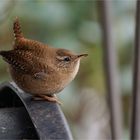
(53, 82)
(75, 71)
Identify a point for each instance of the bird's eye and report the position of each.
(67, 59)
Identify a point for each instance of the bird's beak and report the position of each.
(82, 55)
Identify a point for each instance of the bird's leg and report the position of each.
(48, 98)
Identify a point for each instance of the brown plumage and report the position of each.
(39, 69)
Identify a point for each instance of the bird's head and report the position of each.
(68, 61)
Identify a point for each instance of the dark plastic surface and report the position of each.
(47, 118)
(16, 124)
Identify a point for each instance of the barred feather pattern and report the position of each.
(23, 61)
(17, 29)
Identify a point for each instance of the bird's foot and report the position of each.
(48, 98)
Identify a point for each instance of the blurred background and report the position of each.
(75, 25)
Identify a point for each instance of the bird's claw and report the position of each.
(47, 98)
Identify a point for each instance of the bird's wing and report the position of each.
(21, 42)
(24, 62)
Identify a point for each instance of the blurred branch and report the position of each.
(135, 128)
(110, 61)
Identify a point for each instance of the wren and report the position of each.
(39, 69)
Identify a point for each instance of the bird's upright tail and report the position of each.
(17, 29)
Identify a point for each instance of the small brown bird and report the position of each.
(39, 69)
